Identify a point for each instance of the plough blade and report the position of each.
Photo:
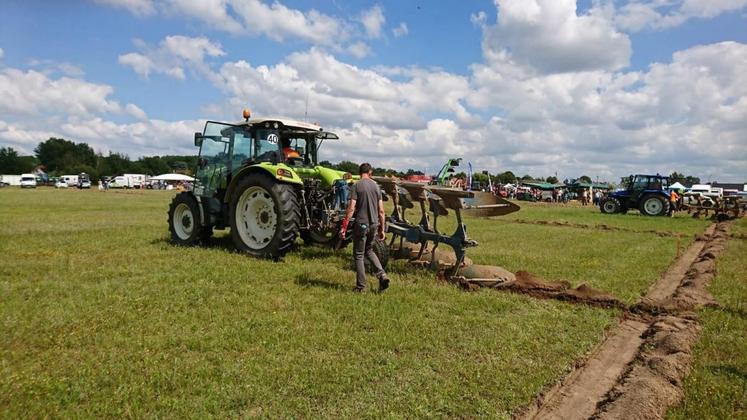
(485, 204)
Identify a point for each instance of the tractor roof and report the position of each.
(285, 121)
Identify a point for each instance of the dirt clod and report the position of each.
(528, 283)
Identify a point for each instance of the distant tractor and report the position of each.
(260, 178)
(646, 193)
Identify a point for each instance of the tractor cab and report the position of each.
(225, 148)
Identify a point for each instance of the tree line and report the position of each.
(57, 156)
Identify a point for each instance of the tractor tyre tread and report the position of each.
(188, 199)
(289, 217)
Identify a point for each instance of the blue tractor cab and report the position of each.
(646, 193)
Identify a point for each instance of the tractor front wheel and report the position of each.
(184, 220)
(264, 216)
(610, 205)
(654, 205)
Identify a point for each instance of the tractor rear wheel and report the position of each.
(610, 205)
(184, 220)
(654, 205)
(264, 216)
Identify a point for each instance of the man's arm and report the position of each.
(348, 215)
(382, 220)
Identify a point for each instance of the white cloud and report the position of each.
(50, 67)
(136, 112)
(32, 93)
(373, 21)
(137, 7)
(359, 49)
(635, 15)
(174, 55)
(279, 22)
(273, 20)
(550, 37)
(687, 115)
(2, 53)
(401, 30)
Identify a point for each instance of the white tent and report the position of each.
(172, 177)
(677, 186)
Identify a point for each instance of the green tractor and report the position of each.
(260, 178)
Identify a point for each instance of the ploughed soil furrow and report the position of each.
(668, 283)
(636, 372)
(577, 395)
(598, 226)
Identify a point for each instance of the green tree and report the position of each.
(552, 179)
(12, 163)
(60, 155)
(347, 166)
(507, 177)
(687, 180)
(584, 178)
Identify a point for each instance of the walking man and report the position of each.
(367, 207)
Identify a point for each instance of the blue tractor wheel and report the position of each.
(654, 205)
(610, 205)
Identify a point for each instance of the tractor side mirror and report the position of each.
(198, 139)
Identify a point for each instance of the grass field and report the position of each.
(717, 385)
(101, 316)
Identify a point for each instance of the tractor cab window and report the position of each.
(266, 145)
(640, 183)
(242, 148)
(297, 150)
(215, 156)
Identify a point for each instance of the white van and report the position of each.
(70, 180)
(28, 181)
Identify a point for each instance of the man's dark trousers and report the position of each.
(363, 239)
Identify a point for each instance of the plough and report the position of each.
(722, 207)
(436, 201)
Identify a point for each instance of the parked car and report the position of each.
(84, 181)
(60, 183)
(28, 181)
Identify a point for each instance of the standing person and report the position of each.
(673, 198)
(367, 207)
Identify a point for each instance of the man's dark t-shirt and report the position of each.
(366, 194)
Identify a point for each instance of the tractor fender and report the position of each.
(280, 173)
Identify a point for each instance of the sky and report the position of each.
(602, 88)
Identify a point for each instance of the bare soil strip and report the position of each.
(668, 282)
(577, 395)
(636, 371)
(653, 382)
(601, 226)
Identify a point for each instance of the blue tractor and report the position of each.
(646, 193)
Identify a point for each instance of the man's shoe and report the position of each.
(383, 284)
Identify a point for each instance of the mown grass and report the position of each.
(681, 223)
(101, 316)
(717, 385)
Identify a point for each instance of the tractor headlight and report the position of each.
(284, 173)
